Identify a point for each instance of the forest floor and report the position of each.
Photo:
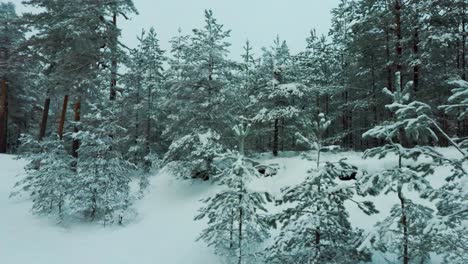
(163, 230)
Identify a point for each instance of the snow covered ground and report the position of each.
(163, 232)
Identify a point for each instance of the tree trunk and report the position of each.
(76, 142)
(63, 116)
(113, 85)
(283, 136)
(231, 230)
(399, 46)
(374, 105)
(3, 117)
(389, 68)
(317, 245)
(45, 116)
(137, 113)
(240, 230)
(404, 223)
(275, 138)
(416, 66)
(148, 128)
(464, 33)
(350, 127)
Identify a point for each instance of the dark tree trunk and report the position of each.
(275, 137)
(374, 104)
(77, 118)
(317, 244)
(283, 136)
(137, 114)
(113, 85)
(398, 46)
(63, 116)
(45, 116)
(464, 33)
(399, 61)
(4, 117)
(240, 230)
(347, 120)
(350, 127)
(387, 55)
(148, 129)
(416, 67)
(231, 231)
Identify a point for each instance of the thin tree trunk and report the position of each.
(137, 113)
(404, 223)
(4, 117)
(45, 116)
(351, 132)
(77, 118)
(387, 55)
(231, 231)
(399, 64)
(464, 33)
(399, 46)
(317, 245)
(63, 116)
(283, 137)
(148, 129)
(240, 230)
(317, 231)
(327, 111)
(374, 107)
(113, 85)
(416, 66)
(275, 138)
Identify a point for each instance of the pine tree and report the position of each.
(450, 199)
(196, 95)
(145, 80)
(48, 175)
(317, 140)
(388, 235)
(17, 74)
(237, 224)
(101, 188)
(315, 227)
(281, 98)
(318, 68)
(410, 125)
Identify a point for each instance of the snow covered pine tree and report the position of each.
(401, 233)
(452, 198)
(48, 175)
(237, 224)
(316, 229)
(101, 188)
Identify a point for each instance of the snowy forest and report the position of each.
(353, 150)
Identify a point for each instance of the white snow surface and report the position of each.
(164, 231)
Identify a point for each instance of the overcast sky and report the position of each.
(257, 20)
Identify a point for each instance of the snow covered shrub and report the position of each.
(192, 156)
(48, 175)
(237, 220)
